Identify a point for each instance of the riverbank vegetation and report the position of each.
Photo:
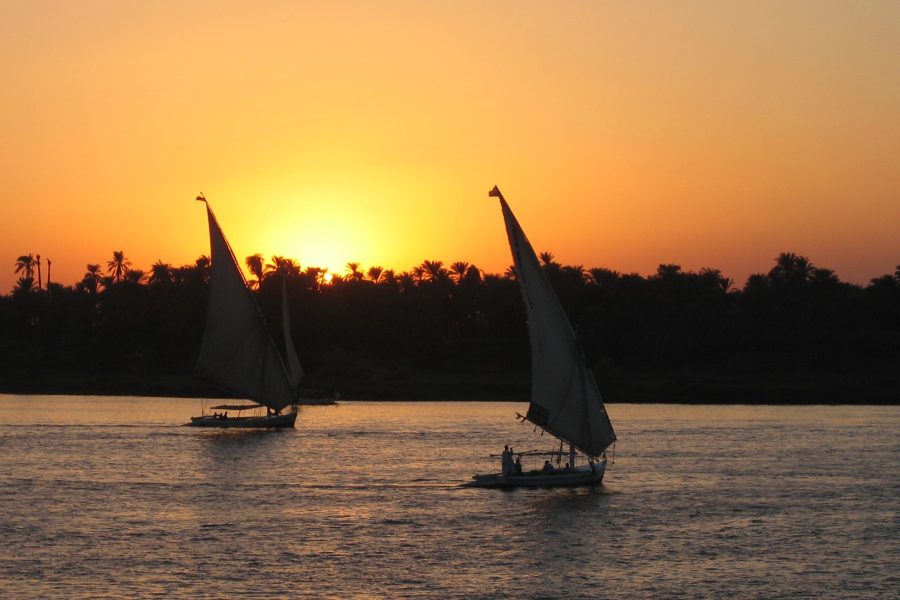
(794, 333)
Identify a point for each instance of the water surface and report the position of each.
(112, 497)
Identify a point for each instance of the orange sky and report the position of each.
(623, 134)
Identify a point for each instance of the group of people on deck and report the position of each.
(510, 467)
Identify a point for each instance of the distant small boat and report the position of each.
(238, 353)
(565, 400)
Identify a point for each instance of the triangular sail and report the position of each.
(295, 371)
(565, 400)
(238, 352)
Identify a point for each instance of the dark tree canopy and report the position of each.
(454, 331)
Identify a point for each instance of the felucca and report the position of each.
(238, 353)
(565, 400)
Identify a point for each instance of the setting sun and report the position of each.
(627, 136)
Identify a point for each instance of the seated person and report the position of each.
(517, 468)
(548, 468)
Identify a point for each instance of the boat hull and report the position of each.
(584, 475)
(264, 422)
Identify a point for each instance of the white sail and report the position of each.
(295, 371)
(238, 352)
(565, 400)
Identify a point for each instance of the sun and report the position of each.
(327, 277)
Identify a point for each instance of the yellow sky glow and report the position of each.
(623, 134)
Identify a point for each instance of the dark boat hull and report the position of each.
(264, 422)
(583, 475)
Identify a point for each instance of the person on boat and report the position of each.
(517, 468)
(506, 461)
(548, 468)
(567, 468)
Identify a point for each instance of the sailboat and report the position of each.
(238, 353)
(565, 400)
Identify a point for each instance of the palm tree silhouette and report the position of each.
(792, 269)
(134, 276)
(160, 273)
(717, 279)
(375, 273)
(434, 270)
(283, 266)
(354, 272)
(316, 274)
(25, 265)
(458, 271)
(91, 280)
(256, 266)
(118, 266)
(24, 285)
(547, 258)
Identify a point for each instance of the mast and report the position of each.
(238, 352)
(565, 400)
(295, 371)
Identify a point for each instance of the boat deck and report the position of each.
(582, 475)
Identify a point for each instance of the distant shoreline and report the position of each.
(697, 388)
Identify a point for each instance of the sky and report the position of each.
(623, 134)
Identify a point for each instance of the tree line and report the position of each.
(442, 328)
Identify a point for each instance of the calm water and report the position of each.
(110, 497)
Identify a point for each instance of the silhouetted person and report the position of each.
(517, 468)
(506, 461)
(548, 468)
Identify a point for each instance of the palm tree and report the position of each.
(473, 275)
(417, 274)
(408, 280)
(388, 276)
(375, 273)
(118, 266)
(256, 266)
(200, 270)
(91, 280)
(791, 268)
(546, 258)
(551, 267)
(715, 277)
(458, 271)
(160, 273)
(354, 272)
(25, 264)
(134, 276)
(434, 270)
(576, 273)
(604, 277)
(24, 285)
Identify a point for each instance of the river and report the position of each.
(113, 497)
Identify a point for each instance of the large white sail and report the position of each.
(238, 352)
(565, 400)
